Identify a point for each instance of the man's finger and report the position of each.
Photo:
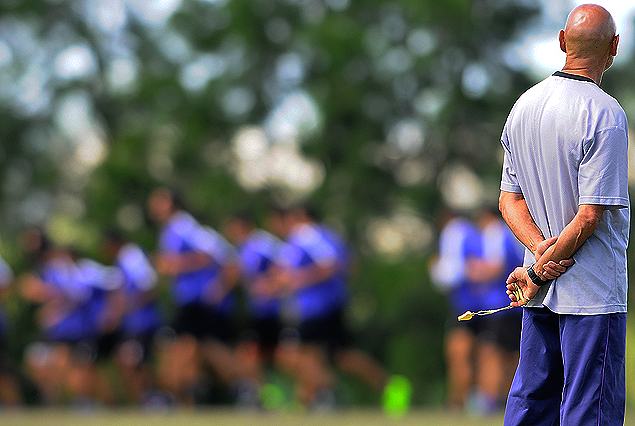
(567, 262)
(555, 267)
(551, 241)
(551, 273)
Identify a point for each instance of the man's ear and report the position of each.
(614, 44)
(563, 44)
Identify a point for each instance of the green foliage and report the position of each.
(368, 66)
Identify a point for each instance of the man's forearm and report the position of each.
(514, 210)
(573, 235)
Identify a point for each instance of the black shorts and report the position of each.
(502, 329)
(106, 344)
(267, 331)
(329, 330)
(204, 322)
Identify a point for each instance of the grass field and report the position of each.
(227, 417)
(232, 418)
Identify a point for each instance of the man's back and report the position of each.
(567, 140)
(565, 144)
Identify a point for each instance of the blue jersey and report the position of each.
(142, 315)
(6, 277)
(255, 257)
(344, 263)
(459, 240)
(307, 246)
(183, 234)
(99, 281)
(67, 320)
(499, 246)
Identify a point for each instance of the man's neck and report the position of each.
(592, 71)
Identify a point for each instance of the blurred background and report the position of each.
(376, 112)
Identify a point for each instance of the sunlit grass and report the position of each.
(42, 417)
(229, 417)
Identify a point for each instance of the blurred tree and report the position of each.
(364, 101)
(374, 111)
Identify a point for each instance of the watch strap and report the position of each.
(535, 278)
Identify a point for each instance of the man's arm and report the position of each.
(514, 210)
(572, 236)
(569, 241)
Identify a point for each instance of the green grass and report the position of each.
(232, 418)
(228, 417)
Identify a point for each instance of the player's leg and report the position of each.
(315, 380)
(85, 382)
(133, 371)
(46, 366)
(594, 367)
(179, 356)
(459, 344)
(307, 361)
(497, 359)
(489, 376)
(254, 353)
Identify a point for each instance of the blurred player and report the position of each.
(256, 251)
(73, 314)
(141, 318)
(302, 271)
(459, 241)
(10, 393)
(348, 358)
(314, 271)
(498, 336)
(103, 311)
(195, 258)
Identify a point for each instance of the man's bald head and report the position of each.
(589, 31)
(589, 35)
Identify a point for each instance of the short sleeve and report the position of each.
(289, 255)
(207, 240)
(509, 180)
(6, 273)
(137, 267)
(321, 251)
(249, 261)
(175, 234)
(603, 173)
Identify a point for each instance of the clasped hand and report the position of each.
(519, 279)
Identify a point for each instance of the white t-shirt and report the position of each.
(566, 144)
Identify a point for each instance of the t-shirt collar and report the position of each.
(573, 76)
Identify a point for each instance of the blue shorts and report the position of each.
(571, 370)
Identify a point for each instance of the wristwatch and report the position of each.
(535, 278)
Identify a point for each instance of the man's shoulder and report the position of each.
(585, 89)
(558, 91)
(534, 94)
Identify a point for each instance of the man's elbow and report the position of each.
(590, 216)
(504, 204)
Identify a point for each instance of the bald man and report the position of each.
(564, 194)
